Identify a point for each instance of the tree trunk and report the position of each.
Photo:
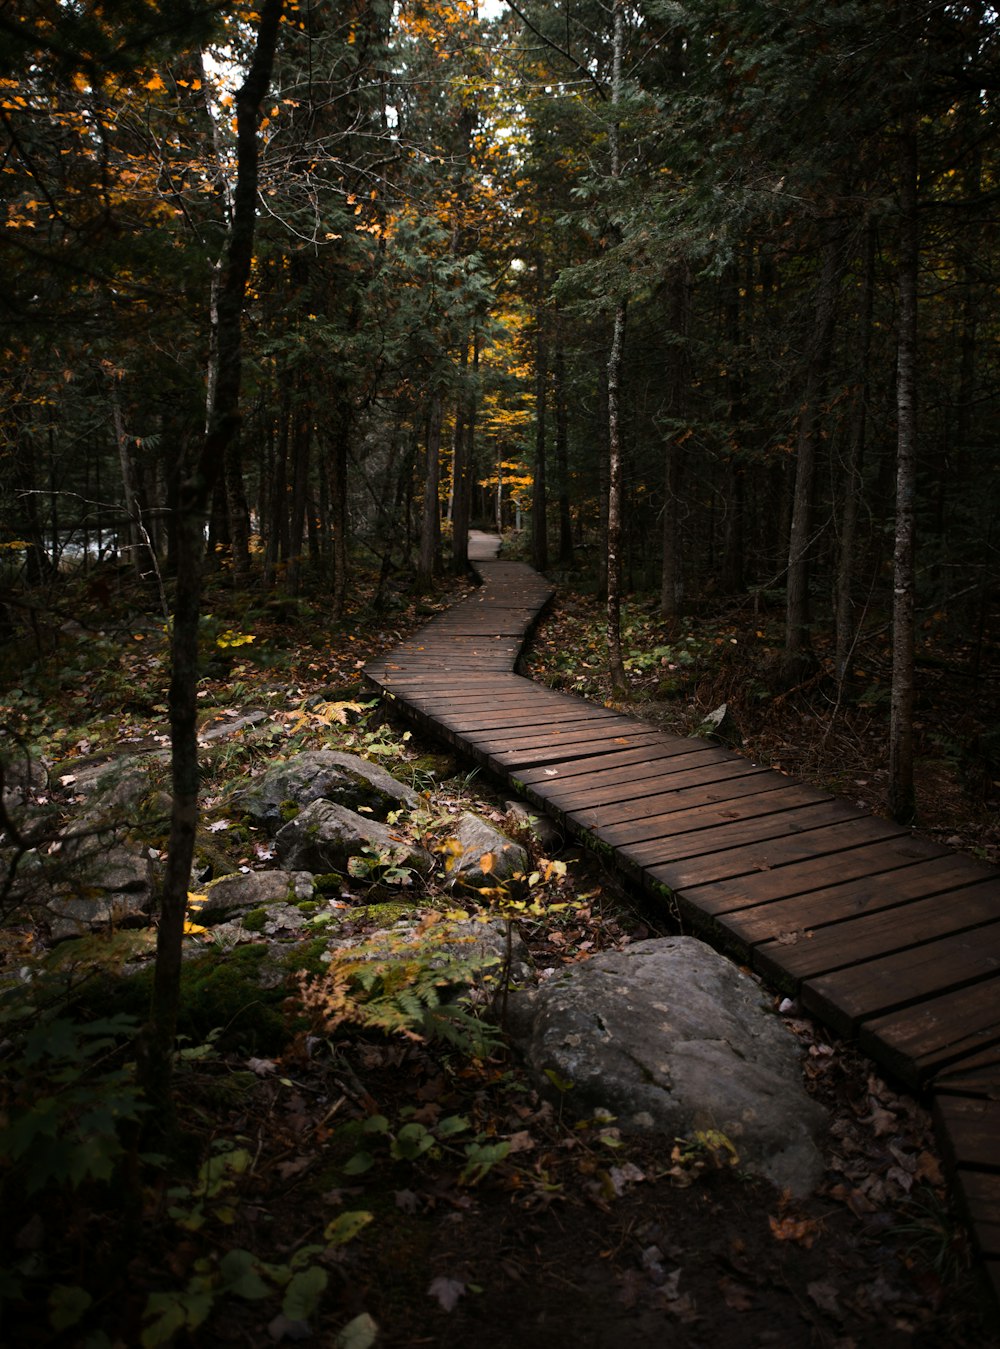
(902, 794)
(562, 454)
(194, 498)
(461, 469)
(133, 509)
(843, 604)
(539, 495)
(301, 454)
(430, 528)
(616, 667)
(672, 573)
(343, 423)
(800, 534)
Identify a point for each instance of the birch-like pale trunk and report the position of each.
(616, 667)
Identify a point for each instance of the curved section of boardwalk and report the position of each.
(881, 934)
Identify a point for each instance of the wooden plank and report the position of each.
(867, 936)
(971, 1127)
(698, 841)
(743, 819)
(849, 996)
(532, 756)
(513, 720)
(649, 747)
(876, 846)
(600, 726)
(890, 877)
(979, 1193)
(977, 1075)
(919, 1041)
(769, 856)
(688, 795)
(700, 767)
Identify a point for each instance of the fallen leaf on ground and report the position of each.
(447, 1291)
(803, 1231)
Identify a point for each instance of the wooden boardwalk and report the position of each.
(881, 934)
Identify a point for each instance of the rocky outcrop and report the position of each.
(671, 1037)
(325, 837)
(322, 775)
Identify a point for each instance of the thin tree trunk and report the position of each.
(672, 572)
(430, 528)
(460, 465)
(301, 454)
(343, 423)
(902, 794)
(616, 667)
(539, 495)
(129, 487)
(562, 453)
(843, 603)
(800, 534)
(194, 498)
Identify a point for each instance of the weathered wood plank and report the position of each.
(737, 821)
(718, 790)
(917, 1042)
(829, 843)
(867, 936)
(807, 827)
(699, 767)
(649, 747)
(972, 1127)
(849, 996)
(977, 1075)
(874, 845)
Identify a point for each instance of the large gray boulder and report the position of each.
(322, 775)
(671, 1037)
(325, 836)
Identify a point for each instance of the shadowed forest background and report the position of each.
(695, 303)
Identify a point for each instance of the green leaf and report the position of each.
(239, 1275)
(452, 1124)
(303, 1293)
(375, 1124)
(361, 1333)
(412, 1141)
(346, 1226)
(67, 1303)
(170, 1318)
(360, 1162)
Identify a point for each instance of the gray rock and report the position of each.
(22, 777)
(69, 917)
(325, 836)
(721, 727)
(242, 892)
(475, 838)
(323, 775)
(672, 1037)
(107, 890)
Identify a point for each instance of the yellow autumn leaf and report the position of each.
(486, 863)
(154, 85)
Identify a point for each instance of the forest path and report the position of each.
(881, 934)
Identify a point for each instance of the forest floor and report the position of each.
(358, 1189)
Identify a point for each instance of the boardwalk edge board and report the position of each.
(883, 935)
